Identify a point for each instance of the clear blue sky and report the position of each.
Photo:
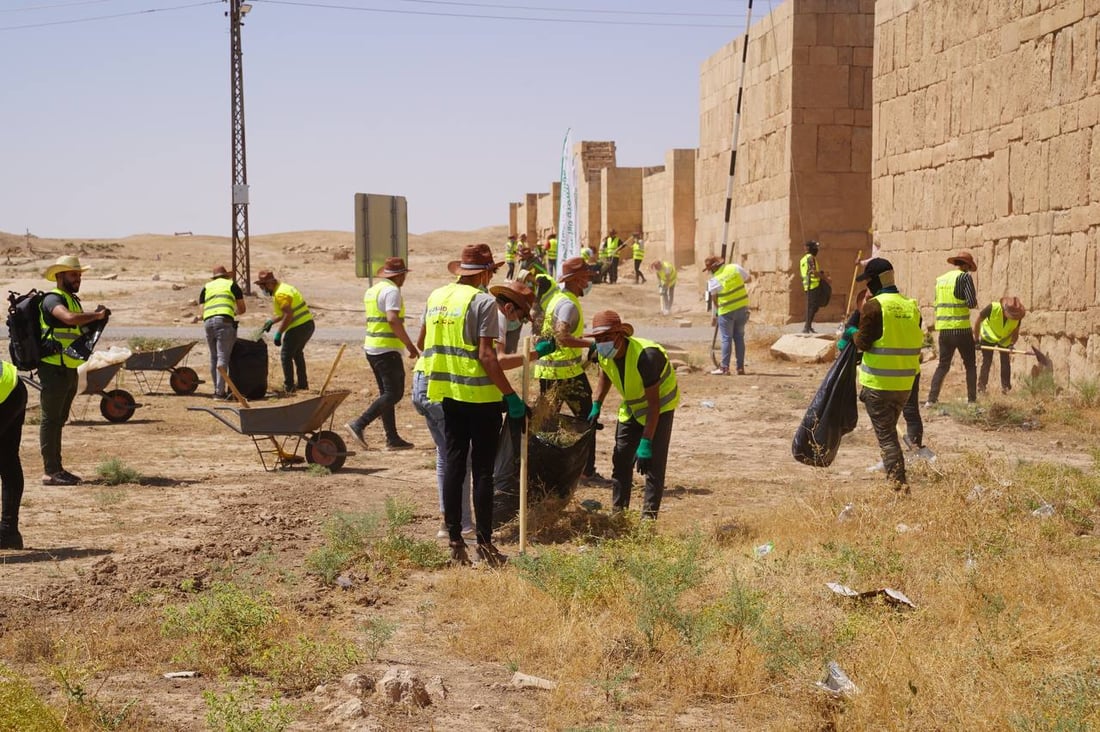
(120, 125)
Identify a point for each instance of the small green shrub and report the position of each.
(21, 708)
(241, 711)
(141, 343)
(1041, 384)
(317, 471)
(87, 706)
(224, 629)
(114, 472)
(377, 632)
(299, 665)
(1088, 393)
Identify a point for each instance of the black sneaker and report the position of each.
(459, 557)
(11, 540)
(491, 555)
(398, 444)
(60, 478)
(597, 480)
(357, 433)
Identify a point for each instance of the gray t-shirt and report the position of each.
(481, 319)
(388, 299)
(566, 312)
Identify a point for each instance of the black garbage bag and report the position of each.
(833, 413)
(557, 451)
(248, 367)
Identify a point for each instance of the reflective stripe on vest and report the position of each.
(510, 249)
(299, 310)
(666, 275)
(732, 296)
(566, 362)
(64, 335)
(813, 278)
(379, 331)
(451, 363)
(552, 248)
(218, 298)
(638, 251)
(610, 244)
(894, 359)
(9, 377)
(997, 329)
(951, 312)
(635, 405)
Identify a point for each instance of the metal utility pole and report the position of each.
(241, 267)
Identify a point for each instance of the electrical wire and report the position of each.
(571, 10)
(147, 11)
(478, 16)
(55, 5)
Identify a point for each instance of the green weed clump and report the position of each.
(299, 665)
(225, 629)
(114, 472)
(142, 343)
(244, 711)
(21, 708)
(1087, 393)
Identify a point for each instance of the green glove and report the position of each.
(516, 408)
(643, 458)
(594, 413)
(544, 347)
(267, 325)
(847, 337)
(278, 338)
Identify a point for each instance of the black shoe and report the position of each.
(357, 433)
(491, 555)
(11, 539)
(596, 479)
(61, 477)
(398, 444)
(459, 557)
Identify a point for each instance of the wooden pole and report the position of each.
(332, 370)
(523, 450)
(852, 289)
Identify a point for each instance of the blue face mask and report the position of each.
(514, 325)
(605, 348)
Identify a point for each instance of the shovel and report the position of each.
(1045, 364)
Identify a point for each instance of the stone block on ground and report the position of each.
(403, 686)
(803, 349)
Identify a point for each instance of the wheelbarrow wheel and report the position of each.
(326, 449)
(184, 381)
(117, 405)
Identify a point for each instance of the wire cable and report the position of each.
(55, 5)
(571, 10)
(71, 21)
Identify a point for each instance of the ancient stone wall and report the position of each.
(548, 208)
(668, 208)
(621, 201)
(987, 138)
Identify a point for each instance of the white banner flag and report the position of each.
(568, 244)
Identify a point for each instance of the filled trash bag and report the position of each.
(556, 453)
(833, 413)
(248, 367)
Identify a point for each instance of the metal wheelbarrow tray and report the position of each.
(183, 379)
(275, 428)
(116, 405)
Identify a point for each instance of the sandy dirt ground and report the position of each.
(206, 500)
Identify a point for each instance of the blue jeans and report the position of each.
(432, 412)
(221, 334)
(731, 326)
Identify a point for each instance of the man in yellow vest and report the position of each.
(611, 246)
(561, 373)
(666, 283)
(637, 251)
(726, 293)
(222, 301)
(552, 254)
(998, 326)
(814, 284)
(955, 298)
(890, 337)
(511, 248)
(294, 328)
(62, 321)
(385, 339)
(459, 336)
(13, 410)
(641, 373)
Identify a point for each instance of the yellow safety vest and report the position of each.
(566, 362)
(666, 275)
(951, 312)
(638, 251)
(63, 335)
(732, 296)
(997, 329)
(610, 244)
(9, 377)
(809, 276)
(510, 249)
(218, 298)
(634, 405)
(552, 248)
(379, 331)
(544, 300)
(586, 255)
(299, 310)
(894, 359)
(452, 364)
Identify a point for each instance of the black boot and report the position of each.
(11, 539)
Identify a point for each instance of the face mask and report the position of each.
(514, 325)
(605, 348)
(587, 289)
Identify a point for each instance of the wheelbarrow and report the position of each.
(182, 379)
(278, 431)
(116, 405)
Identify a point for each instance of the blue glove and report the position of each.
(644, 456)
(516, 408)
(847, 337)
(267, 325)
(545, 346)
(278, 338)
(594, 413)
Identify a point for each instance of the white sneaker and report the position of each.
(877, 467)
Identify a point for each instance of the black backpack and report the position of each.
(26, 341)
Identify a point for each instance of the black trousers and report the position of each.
(293, 356)
(638, 275)
(914, 425)
(577, 393)
(1006, 369)
(58, 391)
(883, 409)
(961, 340)
(389, 372)
(511, 270)
(627, 437)
(813, 304)
(613, 273)
(13, 410)
(470, 431)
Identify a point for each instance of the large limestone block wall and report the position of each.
(549, 206)
(987, 138)
(655, 192)
(621, 201)
(804, 148)
(668, 208)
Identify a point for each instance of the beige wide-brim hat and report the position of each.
(67, 263)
